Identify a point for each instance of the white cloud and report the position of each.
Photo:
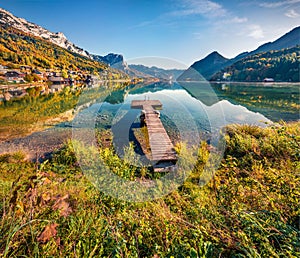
(255, 31)
(292, 13)
(216, 13)
(183, 8)
(278, 4)
(235, 20)
(202, 7)
(143, 24)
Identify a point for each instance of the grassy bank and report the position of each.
(250, 209)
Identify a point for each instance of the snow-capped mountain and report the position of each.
(8, 19)
(113, 60)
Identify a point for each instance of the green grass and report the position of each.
(250, 209)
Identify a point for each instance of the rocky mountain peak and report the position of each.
(215, 57)
(114, 60)
(8, 19)
(61, 35)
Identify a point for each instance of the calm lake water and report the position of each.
(207, 105)
(191, 111)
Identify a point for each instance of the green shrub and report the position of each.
(251, 207)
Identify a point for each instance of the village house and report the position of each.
(49, 74)
(56, 80)
(92, 79)
(37, 72)
(14, 76)
(18, 93)
(56, 88)
(268, 80)
(57, 74)
(3, 69)
(72, 72)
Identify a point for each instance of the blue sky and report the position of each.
(183, 30)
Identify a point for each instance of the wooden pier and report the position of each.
(162, 149)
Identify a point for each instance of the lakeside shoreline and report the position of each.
(258, 83)
(39, 145)
(44, 129)
(246, 83)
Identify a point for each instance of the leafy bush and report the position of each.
(250, 209)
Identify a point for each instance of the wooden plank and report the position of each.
(146, 104)
(161, 146)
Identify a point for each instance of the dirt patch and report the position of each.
(38, 145)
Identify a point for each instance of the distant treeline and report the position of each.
(281, 65)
